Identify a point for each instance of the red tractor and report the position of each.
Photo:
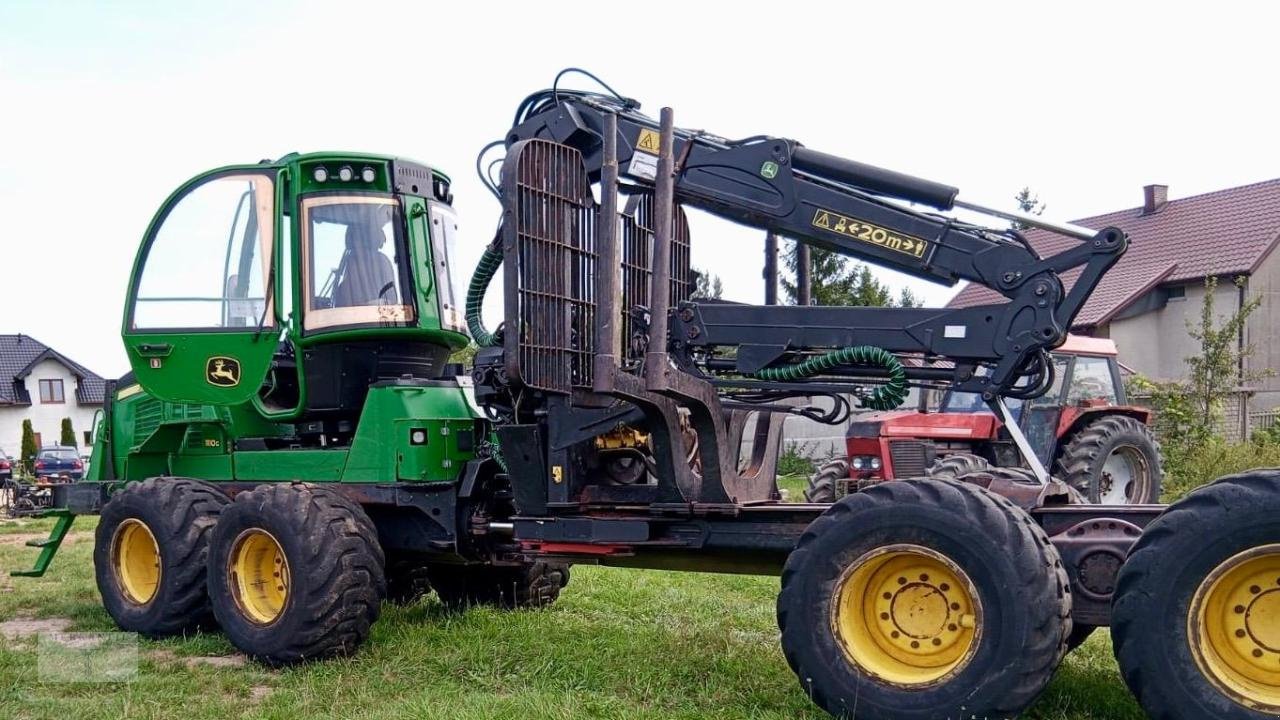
(1082, 429)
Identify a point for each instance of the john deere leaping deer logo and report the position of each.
(222, 371)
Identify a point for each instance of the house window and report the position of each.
(1177, 292)
(51, 391)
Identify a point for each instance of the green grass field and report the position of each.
(619, 644)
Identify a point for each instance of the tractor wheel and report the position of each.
(957, 464)
(924, 599)
(530, 585)
(1196, 617)
(407, 581)
(822, 484)
(149, 554)
(1114, 460)
(295, 573)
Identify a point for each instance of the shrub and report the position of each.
(1189, 466)
(792, 461)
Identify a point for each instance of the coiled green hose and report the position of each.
(885, 397)
(490, 261)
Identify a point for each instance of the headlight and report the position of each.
(320, 174)
(875, 463)
(368, 175)
(856, 463)
(345, 173)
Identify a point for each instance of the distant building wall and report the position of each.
(46, 418)
(1263, 332)
(1156, 344)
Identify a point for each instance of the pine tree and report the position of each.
(1028, 202)
(706, 285)
(68, 433)
(29, 448)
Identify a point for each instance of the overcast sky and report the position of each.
(107, 107)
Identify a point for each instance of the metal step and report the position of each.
(49, 546)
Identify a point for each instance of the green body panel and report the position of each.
(150, 437)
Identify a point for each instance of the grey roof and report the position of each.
(20, 353)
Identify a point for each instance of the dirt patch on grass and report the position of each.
(23, 628)
(258, 693)
(19, 539)
(194, 661)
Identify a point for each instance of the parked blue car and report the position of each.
(59, 462)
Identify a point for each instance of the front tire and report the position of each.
(149, 555)
(1113, 460)
(1196, 618)
(822, 484)
(924, 599)
(295, 573)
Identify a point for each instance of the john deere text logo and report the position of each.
(222, 371)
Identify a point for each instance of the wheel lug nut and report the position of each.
(924, 577)
(1240, 633)
(1255, 589)
(944, 587)
(1239, 609)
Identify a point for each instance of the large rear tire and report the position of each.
(1113, 460)
(530, 585)
(955, 465)
(149, 555)
(822, 484)
(1196, 618)
(295, 573)
(924, 599)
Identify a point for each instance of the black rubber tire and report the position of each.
(531, 585)
(181, 514)
(957, 464)
(336, 574)
(407, 581)
(1082, 457)
(1156, 584)
(1019, 579)
(822, 484)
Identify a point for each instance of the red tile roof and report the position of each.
(1227, 232)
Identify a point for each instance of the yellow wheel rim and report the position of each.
(907, 615)
(135, 555)
(1234, 628)
(259, 576)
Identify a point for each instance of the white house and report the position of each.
(39, 384)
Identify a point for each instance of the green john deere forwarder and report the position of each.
(293, 445)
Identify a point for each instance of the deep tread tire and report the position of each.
(957, 464)
(1083, 456)
(822, 484)
(530, 585)
(1023, 588)
(407, 581)
(1156, 585)
(337, 581)
(180, 513)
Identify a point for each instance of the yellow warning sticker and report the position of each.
(648, 141)
(869, 233)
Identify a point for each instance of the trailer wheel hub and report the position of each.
(259, 575)
(1234, 628)
(136, 557)
(907, 615)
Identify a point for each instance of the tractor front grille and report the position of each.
(549, 250)
(910, 458)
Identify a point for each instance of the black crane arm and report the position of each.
(827, 201)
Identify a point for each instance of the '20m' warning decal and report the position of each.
(869, 233)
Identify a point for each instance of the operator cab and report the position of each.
(295, 285)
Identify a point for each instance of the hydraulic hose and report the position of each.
(490, 261)
(885, 397)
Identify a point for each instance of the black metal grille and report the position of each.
(637, 266)
(549, 248)
(910, 458)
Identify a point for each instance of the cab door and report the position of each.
(200, 323)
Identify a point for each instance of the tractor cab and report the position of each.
(294, 286)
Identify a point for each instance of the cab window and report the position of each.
(208, 262)
(444, 247)
(1092, 380)
(352, 249)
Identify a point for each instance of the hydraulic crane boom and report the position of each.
(853, 209)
